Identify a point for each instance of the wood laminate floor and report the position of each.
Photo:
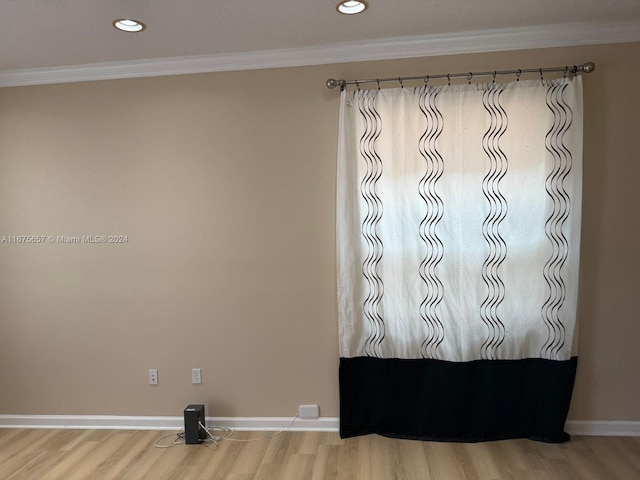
(131, 455)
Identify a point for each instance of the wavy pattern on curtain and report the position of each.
(554, 226)
(498, 167)
(370, 224)
(458, 237)
(434, 208)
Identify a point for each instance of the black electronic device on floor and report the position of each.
(194, 423)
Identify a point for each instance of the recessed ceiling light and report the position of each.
(129, 25)
(351, 7)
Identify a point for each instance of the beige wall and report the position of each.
(224, 184)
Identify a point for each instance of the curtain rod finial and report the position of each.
(588, 67)
(332, 83)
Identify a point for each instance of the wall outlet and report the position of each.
(153, 376)
(308, 412)
(196, 376)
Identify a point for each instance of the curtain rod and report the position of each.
(587, 67)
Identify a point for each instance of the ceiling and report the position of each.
(54, 34)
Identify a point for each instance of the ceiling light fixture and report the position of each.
(129, 25)
(351, 7)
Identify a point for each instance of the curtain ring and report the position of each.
(574, 70)
(378, 81)
(495, 72)
(469, 77)
(448, 79)
(566, 69)
(518, 73)
(541, 77)
(400, 80)
(357, 84)
(426, 80)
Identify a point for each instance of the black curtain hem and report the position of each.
(482, 400)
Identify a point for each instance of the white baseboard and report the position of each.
(115, 422)
(323, 424)
(604, 429)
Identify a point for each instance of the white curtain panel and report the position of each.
(458, 221)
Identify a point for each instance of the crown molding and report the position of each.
(402, 47)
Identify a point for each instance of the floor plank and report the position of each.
(109, 455)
